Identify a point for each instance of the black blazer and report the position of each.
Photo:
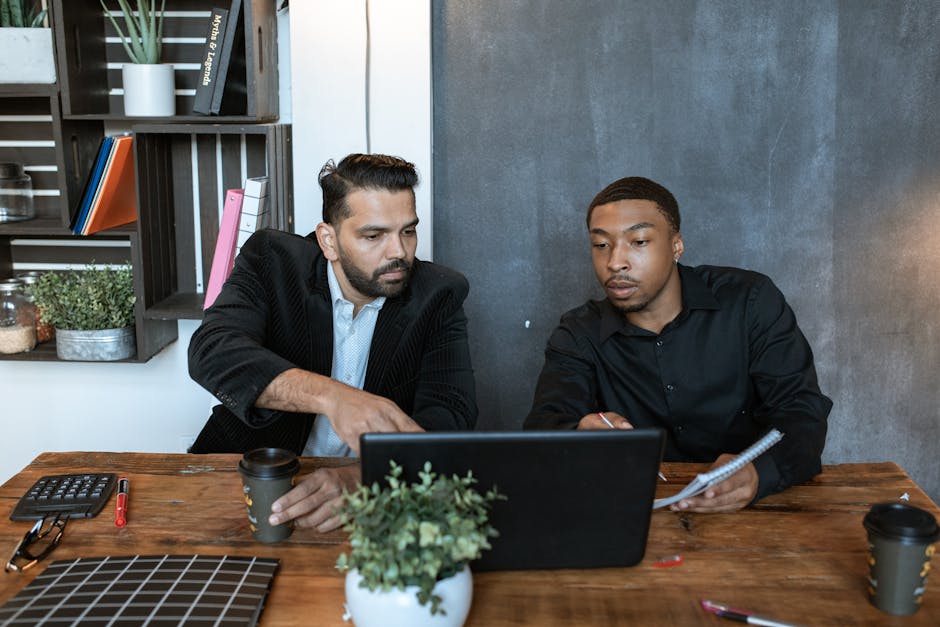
(274, 313)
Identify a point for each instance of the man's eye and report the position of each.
(641, 242)
(599, 244)
(409, 232)
(371, 236)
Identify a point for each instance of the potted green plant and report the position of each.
(92, 311)
(149, 85)
(26, 50)
(410, 546)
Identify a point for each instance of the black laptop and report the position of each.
(576, 499)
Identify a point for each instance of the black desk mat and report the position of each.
(159, 591)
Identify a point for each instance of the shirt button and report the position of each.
(659, 342)
(670, 387)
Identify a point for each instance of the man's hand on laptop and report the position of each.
(604, 420)
(315, 501)
(730, 495)
(353, 412)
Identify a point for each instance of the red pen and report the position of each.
(120, 506)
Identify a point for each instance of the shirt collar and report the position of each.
(336, 293)
(695, 295)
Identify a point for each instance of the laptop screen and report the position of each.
(575, 499)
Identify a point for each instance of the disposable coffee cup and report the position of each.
(267, 473)
(900, 545)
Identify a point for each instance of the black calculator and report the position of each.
(80, 495)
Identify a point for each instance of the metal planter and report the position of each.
(100, 345)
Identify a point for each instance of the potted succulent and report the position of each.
(26, 50)
(149, 86)
(92, 311)
(410, 546)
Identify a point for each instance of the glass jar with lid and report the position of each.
(17, 318)
(44, 330)
(16, 193)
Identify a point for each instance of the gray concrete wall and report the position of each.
(801, 139)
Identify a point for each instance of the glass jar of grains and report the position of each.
(44, 330)
(17, 318)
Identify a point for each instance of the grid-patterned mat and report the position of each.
(145, 590)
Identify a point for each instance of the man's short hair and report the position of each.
(639, 188)
(360, 171)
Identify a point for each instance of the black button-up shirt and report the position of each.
(731, 365)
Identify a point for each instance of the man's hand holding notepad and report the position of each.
(713, 477)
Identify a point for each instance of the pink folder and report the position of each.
(224, 257)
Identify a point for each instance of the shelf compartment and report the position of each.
(183, 172)
(90, 57)
(56, 154)
(22, 252)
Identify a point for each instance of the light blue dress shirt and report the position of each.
(352, 338)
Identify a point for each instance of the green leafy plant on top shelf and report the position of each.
(86, 300)
(21, 13)
(144, 40)
(415, 534)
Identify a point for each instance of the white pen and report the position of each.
(611, 425)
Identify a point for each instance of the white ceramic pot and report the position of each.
(400, 608)
(149, 90)
(26, 55)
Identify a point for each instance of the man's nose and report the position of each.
(619, 259)
(396, 248)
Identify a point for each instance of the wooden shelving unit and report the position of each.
(183, 163)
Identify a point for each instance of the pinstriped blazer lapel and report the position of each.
(388, 333)
(320, 320)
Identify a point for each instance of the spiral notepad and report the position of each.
(706, 480)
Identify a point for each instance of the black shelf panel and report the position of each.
(178, 306)
(187, 119)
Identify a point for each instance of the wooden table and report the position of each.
(798, 557)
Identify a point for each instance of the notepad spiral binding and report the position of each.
(706, 480)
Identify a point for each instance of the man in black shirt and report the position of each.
(712, 355)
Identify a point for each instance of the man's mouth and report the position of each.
(394, 272)
(621, 289)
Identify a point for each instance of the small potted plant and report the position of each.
(411, 543)
(26, 52)
(149, 85)
(92, 311)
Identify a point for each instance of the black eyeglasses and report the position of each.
(23, 557)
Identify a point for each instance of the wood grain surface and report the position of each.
(797, 557)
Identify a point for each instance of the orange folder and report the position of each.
(116, 202)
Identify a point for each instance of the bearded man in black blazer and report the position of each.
(315, 340)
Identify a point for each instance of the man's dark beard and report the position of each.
(371, 286)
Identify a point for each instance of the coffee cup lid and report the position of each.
(268, 463)
(902, 522)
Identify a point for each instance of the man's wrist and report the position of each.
(768, 476)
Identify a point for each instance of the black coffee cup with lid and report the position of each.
(267, 473)
(900, 545)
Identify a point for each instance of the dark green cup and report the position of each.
(900, 544)
(267, 473)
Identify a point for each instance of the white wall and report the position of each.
(328, 60)
(58, 406)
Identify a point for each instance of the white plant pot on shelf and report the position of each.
(149, 90)
(26, 55)
(400, 608)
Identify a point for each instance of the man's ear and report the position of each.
(326, 237)
(677, 246)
